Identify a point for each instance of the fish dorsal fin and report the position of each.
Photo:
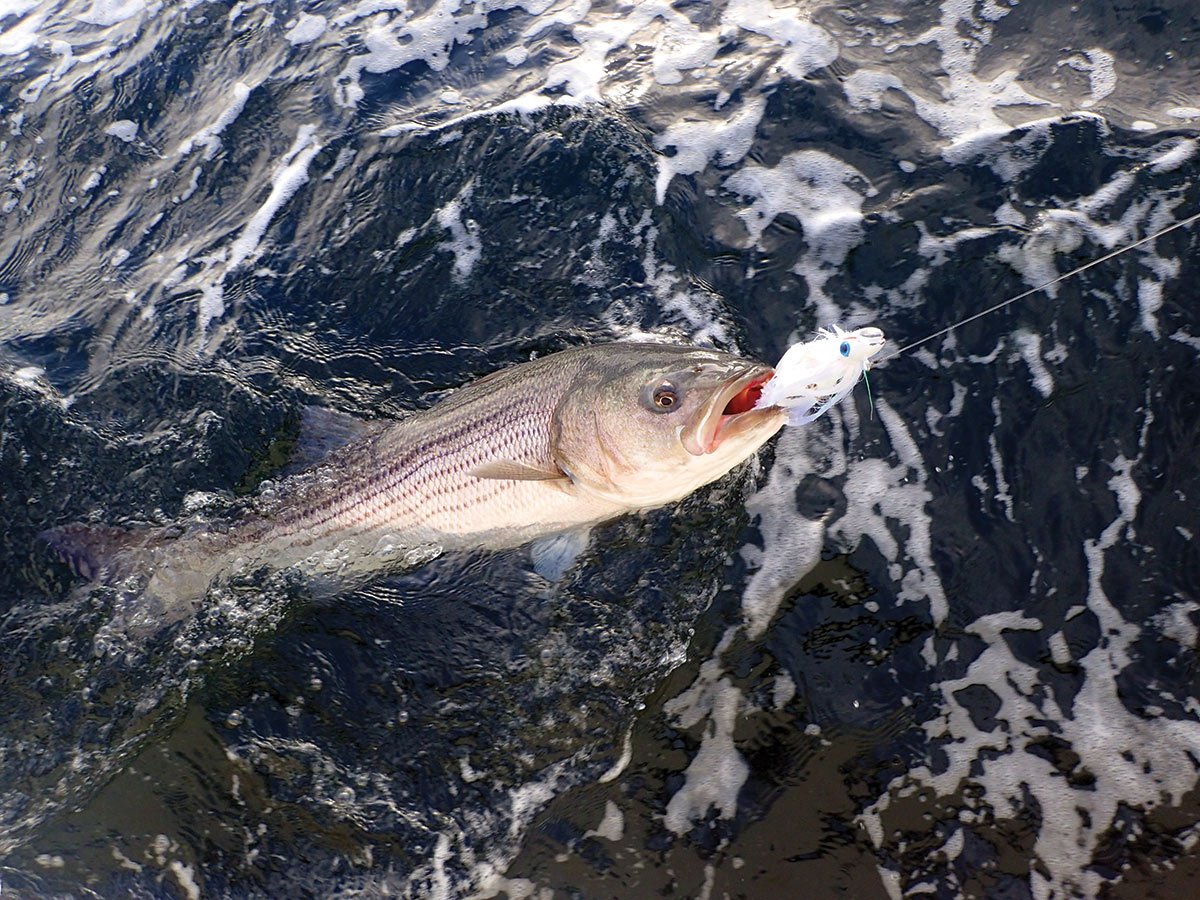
(511, 470)
(322, 431)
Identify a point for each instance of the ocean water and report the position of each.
(942, 642)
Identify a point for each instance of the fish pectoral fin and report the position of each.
(511, 470)
(552, 556)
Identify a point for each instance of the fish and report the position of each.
(813, 376)
(543, 448)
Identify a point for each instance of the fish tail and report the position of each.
(162, 577)
(102, 552)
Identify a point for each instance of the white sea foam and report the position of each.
(123, 129)
(28, 375)
(806, 47)
(18, 39)
(792, 544)
(934, 417)
(695, 143)
(112, 12)
(1174, 157)
(965, 113)
(464, 240)
(16, 8)
(306, 30)
(865, 89)
(1029, 345)
(210, 135)
(1134, 760)
(1002, 493)
(888, 504)
(427, 36)
(612, 826)
(1099, 66)
(717, 772)
(826, 195)
(885, 503)
(185, 875)
(1150, 301)
(290, 173)
(1189, 340)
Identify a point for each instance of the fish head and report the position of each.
(646, 424)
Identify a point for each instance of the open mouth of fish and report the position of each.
(730, 413)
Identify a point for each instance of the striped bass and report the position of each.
(559, 443)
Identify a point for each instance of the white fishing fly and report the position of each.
(814, 375)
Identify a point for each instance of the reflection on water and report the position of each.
(944, 645)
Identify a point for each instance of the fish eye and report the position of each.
(665, 398)
(664, 394)
(845, 348)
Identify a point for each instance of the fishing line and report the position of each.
(1095, 262)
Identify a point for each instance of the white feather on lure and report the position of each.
(814, 375)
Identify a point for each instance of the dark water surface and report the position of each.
(944, 647)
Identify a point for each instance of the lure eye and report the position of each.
(845, 348)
